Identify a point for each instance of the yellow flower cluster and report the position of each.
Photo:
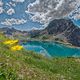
(16, 47)
(10, 42)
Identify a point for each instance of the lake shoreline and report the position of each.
(54, 49)
(60, 42)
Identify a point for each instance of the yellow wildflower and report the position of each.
(17, 47)
(10, 42)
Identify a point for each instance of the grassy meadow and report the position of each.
(27, 65)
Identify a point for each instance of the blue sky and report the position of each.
(19, 14)
(12, 14)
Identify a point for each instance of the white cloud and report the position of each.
(13, 21)
(1, 7)
(12, 4)
(35, 28)
(1, 3)
(18, 0)
(1, 10)
(77, 16)
(10, 11)
(46, 10)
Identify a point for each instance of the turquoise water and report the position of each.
(51, 49)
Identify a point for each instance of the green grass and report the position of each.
(26, 65)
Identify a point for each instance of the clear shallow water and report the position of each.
(51, 49)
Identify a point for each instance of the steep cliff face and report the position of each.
(65, 28)
(60, 28)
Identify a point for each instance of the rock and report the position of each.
(63, 29)
(66, 28)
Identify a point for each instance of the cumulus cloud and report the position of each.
(1, 10)
(1, 7)
(35, 28)
(13, 21)
(1, 3)
(46, 10)
(18, 0)
(75, 14)
(10, 11)
(13, 4)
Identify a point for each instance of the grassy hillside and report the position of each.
(26, 65)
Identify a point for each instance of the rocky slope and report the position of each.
(13, 33)
(66, 29)
(63, 29)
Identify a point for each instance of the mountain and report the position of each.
(12, 32)
(58, 29)
(63, 29)
(8, 31)
(66, 28)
